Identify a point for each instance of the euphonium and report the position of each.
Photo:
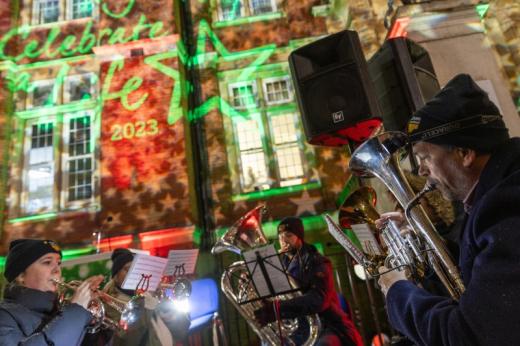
(244, 235)
(379, 156)
(96, 306)
(393, 248)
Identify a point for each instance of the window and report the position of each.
(80, 9)
(243, 95)
(230, 9)
(47, 170)
(233, 9)
(277, 90)
(79, 87)
(43, 93)
(269, 151)
(253, 165)
(40, 167)
(284, 137)
(51, 11)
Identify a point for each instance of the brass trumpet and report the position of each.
(96, 307)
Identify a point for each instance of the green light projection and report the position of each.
(131, 96)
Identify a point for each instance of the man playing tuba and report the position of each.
(314, 274)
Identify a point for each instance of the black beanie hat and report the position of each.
(292, 224)
(24, 252)
(462, 115)
(120, 257)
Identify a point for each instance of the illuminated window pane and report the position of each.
(283, 128)
(277, 91)
(42, 95)
(48, 11)
(254, 170)
(40, 170)
(80, 162)
(249, 136)
(79, 88)
(231, 9)
(81, 8)
(243, 96)
(289, 162)
(261, 6)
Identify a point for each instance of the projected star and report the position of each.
(305, 203)
(336, 187)
(168, 202)
(326, 153)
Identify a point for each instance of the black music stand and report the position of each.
(267, 274)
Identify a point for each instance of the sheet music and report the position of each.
(274, 268)
(147, 265)
(367, 239)
(181, 262)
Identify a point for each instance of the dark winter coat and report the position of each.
(28, 317)
(488, 311)
(314, 274)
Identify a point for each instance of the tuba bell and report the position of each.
(379, 156)
(243, 235)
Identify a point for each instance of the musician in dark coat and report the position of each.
(313, 272)
(463, 147)
(29, 314)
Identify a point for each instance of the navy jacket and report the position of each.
(488, 312)
(314, 274)
(28, 317)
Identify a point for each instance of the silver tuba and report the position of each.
(379, 156)
(244, 235)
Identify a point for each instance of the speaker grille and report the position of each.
(334, 100)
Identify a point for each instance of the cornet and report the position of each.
(97, 307)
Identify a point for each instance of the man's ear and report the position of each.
(467, 156)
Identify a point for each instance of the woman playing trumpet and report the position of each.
(29, 313)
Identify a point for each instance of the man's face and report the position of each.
(443, 167)
(40, 273)
(289, 242)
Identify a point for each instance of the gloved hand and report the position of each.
(265, 314)
(388, 279)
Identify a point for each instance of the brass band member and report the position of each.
(463, 147)
(159, 324)
(29, 314)
(314, 274)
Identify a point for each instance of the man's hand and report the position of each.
(390, 277)
(265, 314)
(395, 216)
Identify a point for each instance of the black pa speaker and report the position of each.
(334, 91)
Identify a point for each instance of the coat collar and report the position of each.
(503, 162)
(35, 300)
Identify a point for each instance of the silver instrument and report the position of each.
(379, 157)
(244, 235)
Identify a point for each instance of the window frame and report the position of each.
(251, 12)
(26, 147)
(29, 104)
(240, 84)
(66, 12)
(67, 83)
(65, 204)
(290, 90)
(264, 111)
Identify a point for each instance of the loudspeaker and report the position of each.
(334, 91)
